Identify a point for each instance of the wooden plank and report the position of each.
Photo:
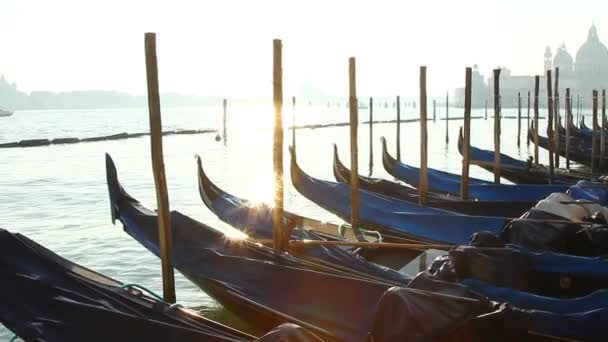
(497, 126)
(354, 158)
(424, 180)
(466, 149)
(158, 167)
(277, 148)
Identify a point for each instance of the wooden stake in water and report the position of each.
(466, 149)
(528, 118)
(447, 117)
(398, 128)
(568, 120)
(434, 110)
(277, 150)
(293, 122)
(424, 180)
(536, 128)
(497, 126)
(486, 116)
(556, 119)
(224, 133)
(371, 136)
(354, 158)
(518, 119)
(158, 167)
(578, 108)
(594, 134)
(603, 133)
(550, 124)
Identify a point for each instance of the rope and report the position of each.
(139, 287)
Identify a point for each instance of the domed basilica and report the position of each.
(583, 74)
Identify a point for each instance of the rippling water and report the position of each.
(57, 195)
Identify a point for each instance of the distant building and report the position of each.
(588, 72)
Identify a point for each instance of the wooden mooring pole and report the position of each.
(371, 136)
(158, 166)
(447, 117)
(398, 128)
(556, 118)
(486, 115)
(594, 134)
(497, 126)
(293, 122)
(550, 124)
(568, 120)
(466, 149)
(536, 128)
(279, 241)
(603, 133)
(518, 119)
(528, 119)
(354, 159)
(434, 110)
(424, 180)
(224, 131)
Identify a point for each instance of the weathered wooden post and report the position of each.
(434, 110)
(528, 118)
(556, 139)
(277, 151)
(578, 108)
(603, 133)
(497, 126)
(354, 157)
(158, 166)
(568, 120)
(466, 149)
(371, 136)
(594, 134)
(398, 128)
(293, 122)
(447, 116)
(424, 181)
(536, 128)
(518, 119)
(550, 124)
(224, 133)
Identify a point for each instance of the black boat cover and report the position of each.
(44, 297)
(546, 273)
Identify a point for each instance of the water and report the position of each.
(57, 195)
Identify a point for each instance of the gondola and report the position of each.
(255, 220)
(579, 151)
(450, 203)
(516, 171)
(267, 287)
(443, 182)
(45, 297)
(393, 217)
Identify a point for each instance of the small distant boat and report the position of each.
(5, 112)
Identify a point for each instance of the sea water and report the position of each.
(57, 195)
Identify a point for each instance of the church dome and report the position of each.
(563, 60)
(592, 58)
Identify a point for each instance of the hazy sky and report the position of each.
(225, 47)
